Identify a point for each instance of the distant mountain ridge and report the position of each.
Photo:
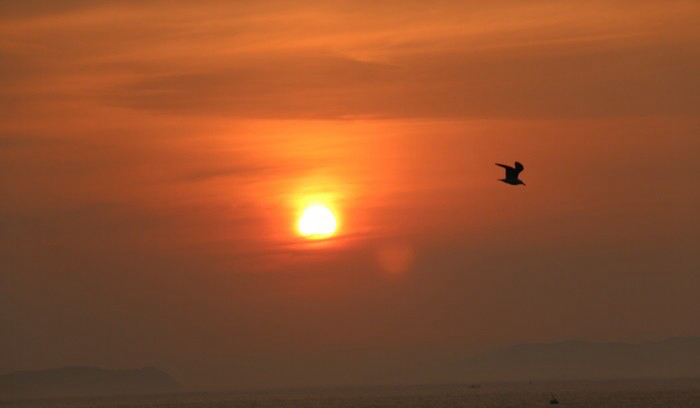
(85, 381)
(559, 361)
(575, 360)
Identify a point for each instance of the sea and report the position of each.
(680, 393)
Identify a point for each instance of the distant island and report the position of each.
(85, 381)
(577, 360)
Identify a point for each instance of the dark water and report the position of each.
(598, 394)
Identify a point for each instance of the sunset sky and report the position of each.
(155, 158)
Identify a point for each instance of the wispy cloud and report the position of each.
(537, 60)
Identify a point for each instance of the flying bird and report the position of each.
(512, 173)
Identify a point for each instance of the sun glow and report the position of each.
(316, 222)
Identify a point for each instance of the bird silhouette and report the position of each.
(512, 173)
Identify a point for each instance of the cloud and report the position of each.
(227, 171)
(547, 81)
(31, 8)
(544, 60)
(272, 86)
(27, 142)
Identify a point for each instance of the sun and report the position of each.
(316, 222)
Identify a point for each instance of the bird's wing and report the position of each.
(511, 173)
(505, 166)
(518, 168)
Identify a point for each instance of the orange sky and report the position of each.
(154, 157)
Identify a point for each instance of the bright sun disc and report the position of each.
(316, 221)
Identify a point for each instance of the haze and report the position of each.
(154, 158)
